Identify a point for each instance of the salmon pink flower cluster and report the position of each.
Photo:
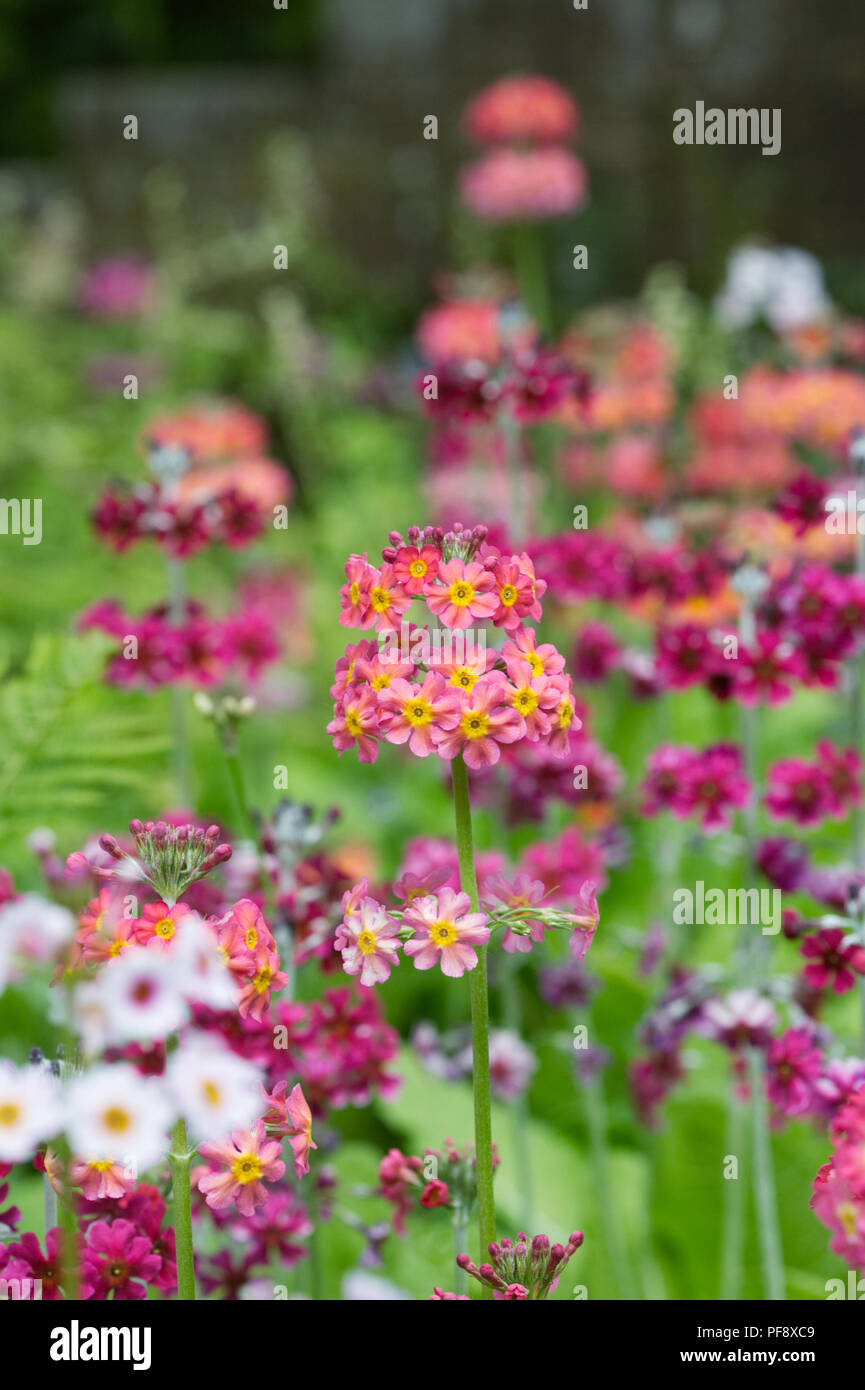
(438, 688)
(527, 174)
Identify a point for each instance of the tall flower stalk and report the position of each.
(480, 1013)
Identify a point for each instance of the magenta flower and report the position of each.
(794, 1066)
(446, 932)
(119, 1261)
(833, 960)
(368, 940)
(486, 722)
(797, 791)
(769, 670)
(463, 592)
(521, 110)
(535, 698)
(419, 714)
(388, 600)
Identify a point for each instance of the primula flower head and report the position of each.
(446, 932)
(522, 1270)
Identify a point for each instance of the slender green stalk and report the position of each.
(460, 1228)
(180, 735)
(733, 1239)
(753, 966)
(180, 1161)
(596, 1118)
(531, 272)
(480, 1021)
(771, 1257)
(519, 1110)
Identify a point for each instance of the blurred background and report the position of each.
(352, 80)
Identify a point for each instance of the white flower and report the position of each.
(31, 929)
(115, 1113)
(783, 286)
(141, 992)
(214, 1089)
(203, 971)
(30, 1110)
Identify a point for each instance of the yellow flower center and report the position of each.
(461, 593)
(116, 947)
(474, 725)
(352, 723)
(354, 592)
(417, 569)
(211, 1093)
(115, 1119)
(380, 599)
(464, 678)
(566, 713)
(164, 928)
(246, 1168)
(508, 595)
(349, 675)
(525, 700)
(418, 713)
(251, 938)
(366, 942)
(847, 1217)
(263, 979)
(9, 1113)
(100, 1164)
(444, 933)
(380, 682)
(535, 662)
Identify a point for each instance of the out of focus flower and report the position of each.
(517, 185)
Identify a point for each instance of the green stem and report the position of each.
(480, 1021)
(733, 1240)
(180, 739)
(596, 1118)
(512, 1019)
(531, 272)
(180, 1161)
(771, 1257)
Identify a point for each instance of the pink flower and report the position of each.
(447, 931)
(368, 940)
(345, 671)
(419, 714)
(464, 591)
(355, 721)
(834, 960)
(544, 659)
(531, 109)
(586, 921)
(797, 791)
(516, 594)
(117, 1258)
(534, 698)
(158, 923)
(510, 185)
(486, 722)
(414, 568)
(354, 594)
(794, 1066)
(100, 1178)
(768, 670)
(250, 1159)
(523, 891)
(388, 600)
(291, 1116)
